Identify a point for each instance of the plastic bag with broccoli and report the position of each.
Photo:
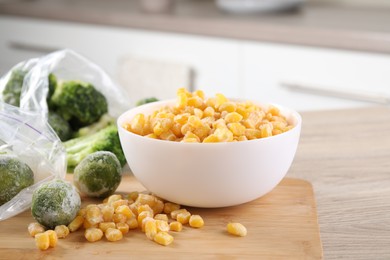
(77, 99)
(26, 139)
(76, 96)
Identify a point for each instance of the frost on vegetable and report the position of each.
(55, 203)
(15, 175)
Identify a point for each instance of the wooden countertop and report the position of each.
(345, 154)
(316, 24)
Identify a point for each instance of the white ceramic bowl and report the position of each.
(209, 174)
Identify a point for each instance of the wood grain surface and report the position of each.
(345, 154)
(281, 225)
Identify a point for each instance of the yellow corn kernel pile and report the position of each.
(117, 216)
(195, 119)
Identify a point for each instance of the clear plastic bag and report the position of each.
(24, 131)
(27, 136)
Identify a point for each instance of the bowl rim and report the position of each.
(293, 113)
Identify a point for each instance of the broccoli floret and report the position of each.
(52, 80)
(79, 103)
(60, 126)
(13, 88)
(146, 100)
(106, 139)
(98, 175)
(15, 175)
(103, 122)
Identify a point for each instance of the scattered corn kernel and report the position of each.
(103, 226)
(94, 215)
(118, 203)
(174, 213)
(175, 226)
(196, 221)
(125, 210)
(132, 223)
(53, 239)
(42, 241)
(236, 229)
(35, 228)
(93, 234)
(163, 238)
(183, 217)
(161, 217)
(150, 229)
(76, 223)
(62, 231)
(107, 212)
(113, 234)
(162, 225)
(123, 227)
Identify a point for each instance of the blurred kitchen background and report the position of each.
(308, 55)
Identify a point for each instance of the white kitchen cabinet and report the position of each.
(243, 69)
(214, 61)
(265, 66)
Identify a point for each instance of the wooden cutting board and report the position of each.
(281, 225)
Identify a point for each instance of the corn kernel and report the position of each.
(252, 134)
(146, 199)
(132, 223)
(145, 207)
(237, 129)
(94, 215)
(87, 224)
(161, 217)
(118, 203)
(199, 93)
(228, 107)
(53, 239)
(196, 221)
(233, 117)
(158, 207)
(163, 238)
(175, 226)
(107, 212)
(142, 216)
(183, 217)
(119, 218)
(103, 226)
(194, 102)
(236, 229)
(162, 225)
(76, 224)
(113, 234)
(137, 124)
(174, 213)
(113, 198)
(182, 100)
(125, 210)
(133, 195)
(82, 212)
(42, 241)
(35, 228)
(62, 231)
(93, 234)
(123, 227)
(169, 207)
(144, 221)
(266, 130)
(150, 229)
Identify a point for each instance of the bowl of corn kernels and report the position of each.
(209, 152)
